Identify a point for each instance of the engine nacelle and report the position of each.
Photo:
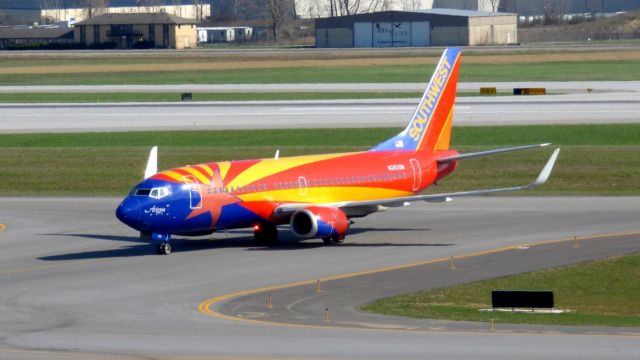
(319, 222)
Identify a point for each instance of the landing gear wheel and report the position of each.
(265, 234)
(333, 240)
(163, 248)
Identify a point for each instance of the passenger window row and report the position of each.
(286, 185)
(161, 192)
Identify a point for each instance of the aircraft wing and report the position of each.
(400, 201)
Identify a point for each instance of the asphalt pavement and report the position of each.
(75, 282)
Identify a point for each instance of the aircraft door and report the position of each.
(303, 186)
(417, 174)
(195, 194)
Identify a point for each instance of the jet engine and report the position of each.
(319, 222)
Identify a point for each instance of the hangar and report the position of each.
(434, 27)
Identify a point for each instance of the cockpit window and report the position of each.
(159, 193)
(142, 192)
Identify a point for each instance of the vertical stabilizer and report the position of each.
(430, 125)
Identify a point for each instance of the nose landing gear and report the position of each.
(163, 248)
(161, 243)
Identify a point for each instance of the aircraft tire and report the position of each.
(163, 248)
(333, 240)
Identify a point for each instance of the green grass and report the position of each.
(218, 96)
(603, 292)
(548, 71)
(595, 159)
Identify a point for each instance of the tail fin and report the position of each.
(430, 126)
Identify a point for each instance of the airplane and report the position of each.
(317, 195)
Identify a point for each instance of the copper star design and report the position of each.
(213, 199)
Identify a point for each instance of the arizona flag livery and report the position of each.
(317, 195)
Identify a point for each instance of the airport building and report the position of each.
(158, 30)
(28, 12)
(16, 37)
(540, 7)
(435, 27)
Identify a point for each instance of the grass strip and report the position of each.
(214, 96)
(584, 134)
(596, 159)
(543, 71)
(603, 292)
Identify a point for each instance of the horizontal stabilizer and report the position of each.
(489, 152)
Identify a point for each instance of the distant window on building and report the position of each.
(121, 30)
(165, 35)
(96, 33)
(152, 33)
(83, 34)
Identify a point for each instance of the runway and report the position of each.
(552, 86)
(74, 281)
(605, 108)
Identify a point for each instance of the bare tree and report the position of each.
(199, 4)
(316, 8)
(494, 5)
(275, 15)
(177, 4)
(53, 10)
(379, 5)
(150, 6)
(554, 10)
(349, 7)
(411, 4)
(92, 8)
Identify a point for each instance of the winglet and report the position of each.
(546, 170)
(152, 163)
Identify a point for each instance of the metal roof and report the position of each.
(35, 33)
(436, 17)
(77, 4)
(136, 19)
(459, 12)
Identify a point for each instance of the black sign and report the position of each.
(522, 299)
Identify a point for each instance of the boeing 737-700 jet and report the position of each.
(316, 195)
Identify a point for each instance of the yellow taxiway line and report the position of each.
(205, 307)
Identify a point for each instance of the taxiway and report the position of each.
(74, 281)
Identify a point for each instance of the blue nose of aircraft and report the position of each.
(129, 212)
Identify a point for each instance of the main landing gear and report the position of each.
(265, 234)
(333, 240)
